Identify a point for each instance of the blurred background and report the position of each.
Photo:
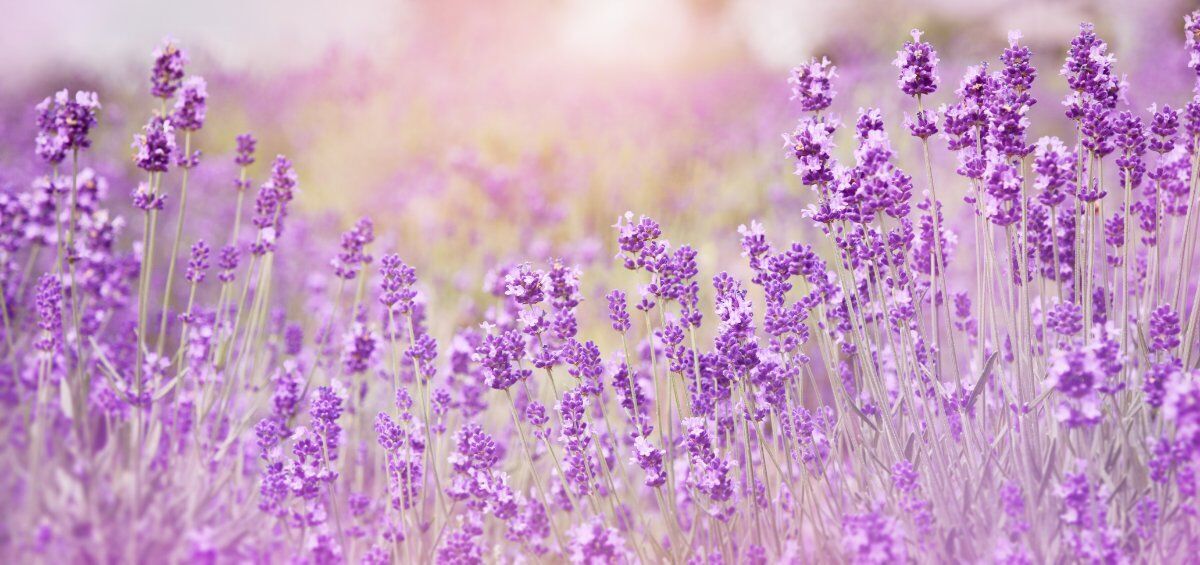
(480, 132)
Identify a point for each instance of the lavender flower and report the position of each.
(352, 257)
(923, 125)
(617, 312)
(650, 459)
(526, 285)
(227, 262)
(1054, 166)
(1089, 73)
(192, 105)
(594, 543)
(812, 421)
(397, 291)
(271, 205)
(245, 150)
(64, 124)
(1018, 73)
(198, 263)
(872, 537)
(499, 357)
(154, 148)
(358, 349)
(1191, 33)
(1164, 328)
(167, 73)
(49, 312)
(1080, 373)
(917, 62)
(811, 84)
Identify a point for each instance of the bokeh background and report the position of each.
(476, 133)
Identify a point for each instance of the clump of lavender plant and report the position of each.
(1011, 377)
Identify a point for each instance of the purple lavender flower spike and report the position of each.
(246, 145)
(166, 76)
(917, 62)
(154, 148)
(811, 84)
(197, 267)
(191, 107)
(64, 124)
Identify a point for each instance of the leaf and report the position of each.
(1046, 471)
(109, 373)
(64, 398)
(864, 417)
(167, 387)
(980, 382)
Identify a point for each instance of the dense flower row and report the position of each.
(877, 396)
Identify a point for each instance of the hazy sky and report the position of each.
(238, 33)
(37, 36)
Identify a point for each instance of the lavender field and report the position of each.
(951, 317)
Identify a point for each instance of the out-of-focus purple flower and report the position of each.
(917, 62)
(293, 339)
(1065, 319)
(811, 84)
(192, 105)
(462, 545)
(325, 407)
(1164, 328)
(650, 459)
(358, 350)
(577, 441)
(1154, 382)
(1012, 502)
(709, 473)
(1191, 33)
(905, 479)
(1088, 533)
(1147, 514)
(353, 258)
(1181, 407)
(245, 149)
(227, 262)
(271, 204)
(595, 544)
(873, 537)
(167, 73)
(1080, 372)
